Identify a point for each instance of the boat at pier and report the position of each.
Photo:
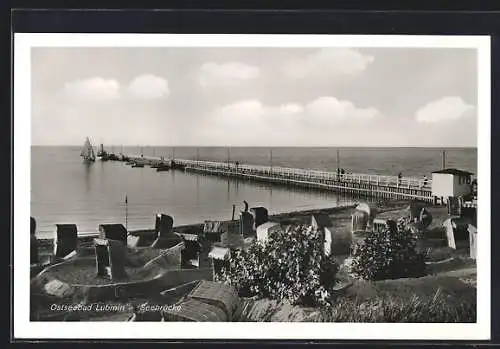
(102, 154)
(87, 152)
(162, 168)
(138, 165)
(177, 166)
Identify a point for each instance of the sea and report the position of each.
(65, 190)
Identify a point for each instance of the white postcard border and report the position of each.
(23, 328)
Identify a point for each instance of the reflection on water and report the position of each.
(64, 190)
(88, 173)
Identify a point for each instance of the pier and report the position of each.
(380, 186)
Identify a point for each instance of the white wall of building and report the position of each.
(442, 185)
(445, 185)
(264, 230)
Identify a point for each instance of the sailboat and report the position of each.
(87, 152)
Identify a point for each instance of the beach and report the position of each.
(450, 271)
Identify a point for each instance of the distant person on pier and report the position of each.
(400, 175)
(341, 174)
(425, 181)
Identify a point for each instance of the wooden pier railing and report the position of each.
(371, 185)
(351, 183)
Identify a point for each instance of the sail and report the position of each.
(87, 151)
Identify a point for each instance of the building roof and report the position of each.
(322, 220)
(267, 225)
(219, 226)
(218, 293)
(220, 253)
(454, 171)
(195, 310)
(188, 237)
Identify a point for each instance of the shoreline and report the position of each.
(199, 226)
(340, 215)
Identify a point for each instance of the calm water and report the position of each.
(64, 190)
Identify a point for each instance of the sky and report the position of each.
(415, 97)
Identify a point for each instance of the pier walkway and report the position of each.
(390, 187)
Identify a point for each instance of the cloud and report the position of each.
(148, 86)
(329, 62)
(444, 109)
(332, 110)
(252, 112)
(322, 111)
(322, 121)
(95, 89)
(227, 74)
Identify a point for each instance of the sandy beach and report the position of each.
(448, 270)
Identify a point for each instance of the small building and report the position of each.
(418, 214)
(457, 232)
(113, 232)
(472, 241)
(359, 222)
(212, 230)
(194, 310)
(265, 230)
(450, 182)
(141, 238)
(218, 294)
(65, 239)
(321, 221)
(110, 258)
(163, 225)
(208, 302)
(336, 240)
(379, 225)
(192, 250)
(260, 216)
(246, 224)
(370, 210)
(220, 257)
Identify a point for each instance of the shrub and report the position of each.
(290, 266)
(388, 254)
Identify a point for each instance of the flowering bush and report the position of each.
(388, 254)
(290, 266)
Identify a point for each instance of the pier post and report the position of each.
(338, 160)
(271, 159)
